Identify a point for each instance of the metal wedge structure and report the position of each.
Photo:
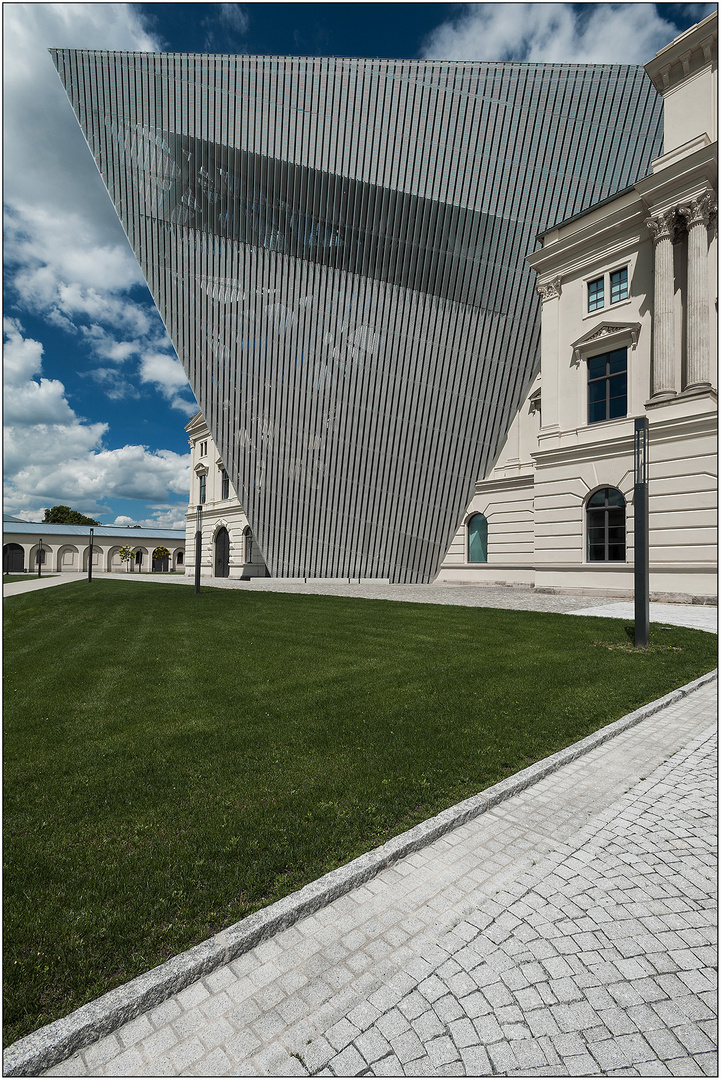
(337, 248)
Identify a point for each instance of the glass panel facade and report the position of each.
(347, 289)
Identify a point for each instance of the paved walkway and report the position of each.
(567, 931)
(701, 617)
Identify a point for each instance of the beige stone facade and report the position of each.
(228, 548)
(66, 548)
(629, 286)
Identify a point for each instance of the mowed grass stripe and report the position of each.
(175, 762)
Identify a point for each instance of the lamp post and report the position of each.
(198, 544)
(90, 557)
(640, 542)
(40, 558)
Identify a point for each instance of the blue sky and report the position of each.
(95, 400)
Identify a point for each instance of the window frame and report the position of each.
(606, 511)
(605, 276)
(224, 484)
(203, 488)
(606, 378)
(471, 519)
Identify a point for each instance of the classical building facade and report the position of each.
(628, 329)
(228, 547)
(337, 248)
(66, 548)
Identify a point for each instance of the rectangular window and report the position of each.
(619, 285)
(203, 449)
(225, 486)
(203, 480)
(607, 386)
(595, 294)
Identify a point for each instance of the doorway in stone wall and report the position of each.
(222, 553)
(13, 559)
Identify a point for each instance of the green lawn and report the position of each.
(174, 762)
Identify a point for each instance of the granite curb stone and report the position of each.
(55, 1042)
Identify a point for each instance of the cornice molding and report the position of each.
(608, 334)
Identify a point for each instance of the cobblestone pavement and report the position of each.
(567, 931)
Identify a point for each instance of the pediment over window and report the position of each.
(534, 401)
(606, 335)
(201, 470)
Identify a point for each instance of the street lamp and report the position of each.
(40, 556)
(90, 556)
(198, 544)
(640, 541)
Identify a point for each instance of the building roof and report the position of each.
(13, 525)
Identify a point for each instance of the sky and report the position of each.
(95, 399)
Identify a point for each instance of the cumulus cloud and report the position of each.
(161, 517)
(554, 33)
(53, 456)
(166, 373)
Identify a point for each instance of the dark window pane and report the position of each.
(616, 553)
(597, 392)
(598, 498)
(615, 498)
(596, 553)
(597, 366)
(617, 360)
(617, 407)
(596, 412)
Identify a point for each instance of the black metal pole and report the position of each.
(40, 558)
(640, 521)
(90, 557)
(198, 544)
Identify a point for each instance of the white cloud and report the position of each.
(22, 358)
(166, 373)
(161, 517)
(54, 456)
(561, 33)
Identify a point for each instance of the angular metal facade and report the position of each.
(337, 249)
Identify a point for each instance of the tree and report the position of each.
(126, 553)
(63, 515)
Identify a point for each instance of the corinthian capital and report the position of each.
(662, 226)
(700, 210)
(549, 290)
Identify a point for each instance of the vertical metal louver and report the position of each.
(337, 250)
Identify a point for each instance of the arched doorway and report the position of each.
(222, 553)
(161, 560)
(13, 559)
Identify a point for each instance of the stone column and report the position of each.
(550, 293)
(662, 230)
(697, 213)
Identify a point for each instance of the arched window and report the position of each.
(478, 539)
(606, 526)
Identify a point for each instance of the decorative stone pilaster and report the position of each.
(549, 290)
(662, 228)
(697, 213)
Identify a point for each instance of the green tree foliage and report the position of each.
(63, 515)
